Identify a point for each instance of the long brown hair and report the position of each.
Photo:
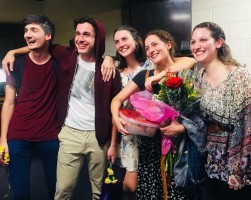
(224, 53)
(139, 52)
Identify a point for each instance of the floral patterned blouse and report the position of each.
(128, 154)
(227, 111)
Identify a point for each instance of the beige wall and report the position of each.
(234, 17)
(110, 20)
(63, 12)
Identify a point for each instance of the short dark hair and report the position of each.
(43, 21)
(86, 19)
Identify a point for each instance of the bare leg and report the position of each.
(130, 184)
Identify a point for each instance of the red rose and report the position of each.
(174, 82)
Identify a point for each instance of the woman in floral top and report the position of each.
(226, 107)
(131, 55)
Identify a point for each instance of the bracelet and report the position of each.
(169, 73)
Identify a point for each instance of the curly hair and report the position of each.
(224, 53)
(165, 37)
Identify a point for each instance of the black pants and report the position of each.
(218, 190)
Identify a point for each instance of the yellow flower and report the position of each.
(110, 171)
(1, 149)
(108, 180)
(193, 96)
(114, 181)
(6, 158)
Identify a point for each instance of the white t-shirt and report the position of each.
(81, 111)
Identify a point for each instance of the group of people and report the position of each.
(61, 104)
(61, 109)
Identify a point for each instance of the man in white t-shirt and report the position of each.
(88, 133)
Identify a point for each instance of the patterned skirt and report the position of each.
(149, 185)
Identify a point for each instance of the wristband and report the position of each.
(169, 73)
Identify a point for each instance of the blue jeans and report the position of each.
(20, 161)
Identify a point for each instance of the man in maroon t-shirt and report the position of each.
(29, 118)
(90, 40)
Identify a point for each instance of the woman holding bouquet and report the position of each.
(226, 108)
(160, 48)
(131, 57)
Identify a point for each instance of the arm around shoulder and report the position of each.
(108, 68)
(8, 60)
(182, 63)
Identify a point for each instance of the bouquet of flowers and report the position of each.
(110, 176)
(179, 94)
(175, 98)
(112, 187)
(183, 97)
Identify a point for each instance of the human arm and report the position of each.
(239, 150)
(108, 68)
(238, 159)
(118, 101)
(9, 58)
(180, 63)
(7, 110)
(111, 153)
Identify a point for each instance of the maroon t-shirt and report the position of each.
(34, 116)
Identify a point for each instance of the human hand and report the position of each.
(108, 68)
(8, 62)
(120, 124)
(152, 80)
(112, 153)
(173, 130)
(4, 155)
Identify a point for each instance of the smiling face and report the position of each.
(35, 37)
(124, 43)
(85, 40)
(203, 45)
(156, 49)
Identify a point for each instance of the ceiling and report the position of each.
(57, 10)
